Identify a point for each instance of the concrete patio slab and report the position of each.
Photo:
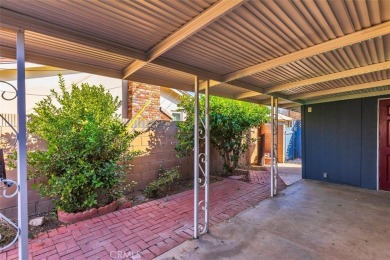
(308, 220)
(290, 171)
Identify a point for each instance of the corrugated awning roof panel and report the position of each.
(250, 49)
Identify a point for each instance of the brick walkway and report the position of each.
(150, 229)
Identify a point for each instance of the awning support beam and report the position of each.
(329, 77)
(363, 35)
(214, 12)
(318, 94)
(338, 75)
(352, 96)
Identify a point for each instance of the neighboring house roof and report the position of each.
(174, 94)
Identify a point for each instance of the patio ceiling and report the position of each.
(301, 51)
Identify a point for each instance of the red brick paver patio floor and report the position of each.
(149, 229)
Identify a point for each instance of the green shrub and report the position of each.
(87, 147)
(163, 184)
(230, 124)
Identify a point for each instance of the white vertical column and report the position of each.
(196, 158)
(207, 155)
(125, 98)
(22, 148)
(274, 145)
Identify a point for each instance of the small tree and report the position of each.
(230, 123)
(87, 147)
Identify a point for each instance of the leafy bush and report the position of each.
(87, 147)
(163, 184)
(230, 123)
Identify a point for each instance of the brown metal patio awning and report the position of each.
(300, 51)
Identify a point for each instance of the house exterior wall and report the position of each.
(139, 95)
(340, 139)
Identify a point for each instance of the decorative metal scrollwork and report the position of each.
(17, 232)
(15, 141)
(201, 162)
(274, 144)
(6, 184)
(202, 133)
(202, 227)
(203, 182)
(3, 95)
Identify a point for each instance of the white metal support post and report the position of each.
(201, 160)
(196, 154)
(207, 158)
(125, 98)
(274, 145)
(22, 148)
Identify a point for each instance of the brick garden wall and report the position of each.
(157, 143)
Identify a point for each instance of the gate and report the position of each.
(289, 143)
(292, 140)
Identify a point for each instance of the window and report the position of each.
(176, 116)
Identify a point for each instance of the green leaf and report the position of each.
(230, 121)
(86, 141)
